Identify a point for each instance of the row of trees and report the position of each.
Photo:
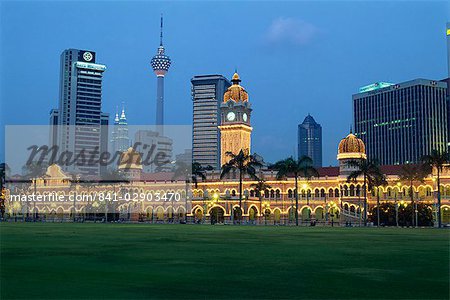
(369, 170)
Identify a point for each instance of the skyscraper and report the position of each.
(120, 140)
(79, 114)
(207, 95)
(448, 48)
(53, 122)
(160, 64)
(310, 140)
(448, 84)
(399, 123)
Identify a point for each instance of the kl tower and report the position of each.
(160, 64)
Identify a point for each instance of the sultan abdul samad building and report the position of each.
(326, 199)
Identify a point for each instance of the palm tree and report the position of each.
(370, 170)
(260, 186)
(199, 171)
(245, 163)
(437, 160)
(411, 174)
(378, 181)
(299, 168)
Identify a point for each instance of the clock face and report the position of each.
(87, 56)
(231, 116)
(244, 117)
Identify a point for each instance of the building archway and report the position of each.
(216, 214)
(445, 215)
(334, 214)
(252, 214)
(306, 213)
(319, 213)
(198, 215)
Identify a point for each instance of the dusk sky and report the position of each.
(294, 58)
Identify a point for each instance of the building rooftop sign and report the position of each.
(374, 86)
(90, 66)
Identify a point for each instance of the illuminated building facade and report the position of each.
(310, 140)
(400, 123)
(327, 200)
(235, 129)
(207, 96)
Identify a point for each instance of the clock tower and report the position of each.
(235, 129)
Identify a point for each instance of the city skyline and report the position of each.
(275, 37)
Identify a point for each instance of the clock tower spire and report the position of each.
(235, 128)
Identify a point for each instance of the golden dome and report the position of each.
(130, 159)
(351, 145)
(235, 92)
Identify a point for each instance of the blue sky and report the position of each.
(294, 58)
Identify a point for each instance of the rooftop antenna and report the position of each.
(161, 35)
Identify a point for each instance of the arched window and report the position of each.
(278, 194)
(266, 194)
(316, 193)
(233, 193)
(252, 193)
(345, 190)
(330, 193)
(289, 193)
(322, 193)
(336, 192)
(352, 190)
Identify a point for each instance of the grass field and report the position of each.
(198, 261)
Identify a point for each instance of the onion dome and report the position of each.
(130, 159)
(351, 147)
(235, 92)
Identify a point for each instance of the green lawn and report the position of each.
(200, 261)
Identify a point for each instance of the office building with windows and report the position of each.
(156, 151)
(310, 140)
(399, 123)
(207, 95)
(79, 115)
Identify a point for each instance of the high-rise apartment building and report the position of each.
(79, 115)
(207, 95)
(310, 140)
(399, 123)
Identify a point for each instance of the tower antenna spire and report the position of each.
(161, 35)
